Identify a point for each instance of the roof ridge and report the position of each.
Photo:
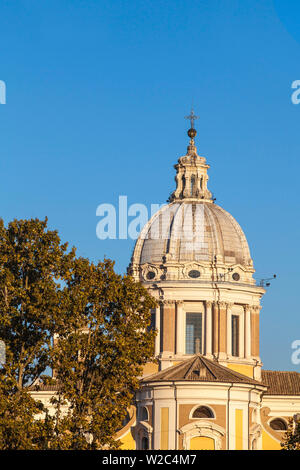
(204, 360)
(281, 371)
(195, 359)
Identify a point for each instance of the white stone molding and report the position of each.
(143, 429)
(255, 437)
(198, 406)
(202, 428)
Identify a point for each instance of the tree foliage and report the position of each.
(291, 439)
(100, 324)
(101, 349)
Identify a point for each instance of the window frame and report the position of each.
(194, 312)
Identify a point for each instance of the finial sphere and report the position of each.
(192, 133)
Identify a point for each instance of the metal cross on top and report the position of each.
(192, 117)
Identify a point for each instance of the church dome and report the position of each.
(192, 237)
(192, 230)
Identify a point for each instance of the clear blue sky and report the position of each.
(96, 95)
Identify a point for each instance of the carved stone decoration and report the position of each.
(256, 308)
(148, 270)
(168, 302)
(192, 267)
(143, 429)
(202, 428)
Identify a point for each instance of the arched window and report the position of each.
(278, 424)
(203, 412)
(193, 181)
(183, 183)
(145, 443)
(144, 414)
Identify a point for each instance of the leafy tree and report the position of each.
(103, 344)
(291, 440)
(32, 262)
(100, 324)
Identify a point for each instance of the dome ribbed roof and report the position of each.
(192, 231)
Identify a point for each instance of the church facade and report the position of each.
(208, 389)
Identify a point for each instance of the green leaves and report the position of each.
(102, 347)
(291, 439)
(83, 320)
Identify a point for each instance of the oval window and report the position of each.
(278, 424)
(194, 273)
(150, 275)
(236, 276)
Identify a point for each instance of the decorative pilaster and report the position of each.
(222, 330)
(208, 328)
(229, 329)
(168, 327)
(180, 333)
(247, 331)
(215, 329)
(255, 331)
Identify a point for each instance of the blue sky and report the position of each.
(97, 92)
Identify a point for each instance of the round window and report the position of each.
(194, 273)
(150, 275)
(236, 276)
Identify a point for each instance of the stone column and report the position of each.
(229, 329)
(168, 328)
(222, 330)
(208, 328)
(179, 328)
(157, 327)
(247, 331)
(215, 328)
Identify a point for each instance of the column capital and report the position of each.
(167, 302)
(208, 303)
(179, 302)
(256, 308)
(222, 304)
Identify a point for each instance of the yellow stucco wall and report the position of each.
(127, 441)
(268, 442)
(242, 369)
(164, 428)
(150, 368)
(239, 429)
(202, 443)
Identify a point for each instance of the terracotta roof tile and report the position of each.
(281, 382)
